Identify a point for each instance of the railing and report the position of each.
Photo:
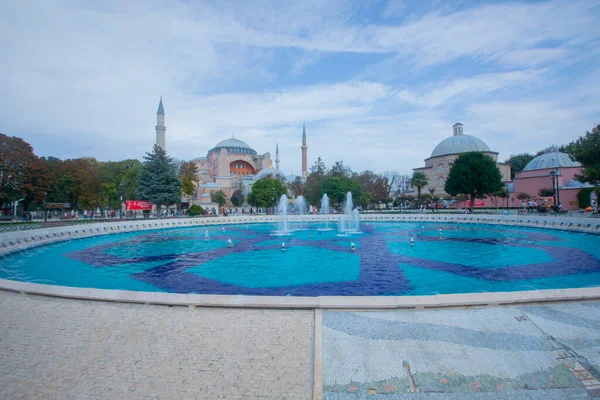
(17, 228)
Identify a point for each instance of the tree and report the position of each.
(266, 191)
(398, 184)
(586, 150)
(375, 187)
(188, 174)
(319, 167)
(313, 188)
(16, 161)
(419, 180)
(337, 187)
(523, 196)
(158, 181)
(518, 162)
(195, 210)
(339, 169)
(37, 183)
(297, 186)
(474, 174)
(237, 198)
(496, 197)
(218, 197)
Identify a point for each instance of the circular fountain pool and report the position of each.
(445, 258)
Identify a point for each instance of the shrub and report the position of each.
(195, 210)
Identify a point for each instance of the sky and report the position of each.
(378, 83)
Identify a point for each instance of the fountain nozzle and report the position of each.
(229, 243)
(412, 241)
(353, 246)
(282, 246)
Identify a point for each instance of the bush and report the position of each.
(195, 210)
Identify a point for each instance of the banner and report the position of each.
(478, 203)
(142, 205)
(58, 205)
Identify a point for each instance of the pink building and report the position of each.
(538, 174)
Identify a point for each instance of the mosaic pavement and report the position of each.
(528, 352)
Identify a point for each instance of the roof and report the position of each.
(459, 144)
(161, 110)
(552, 158)
(234, 146)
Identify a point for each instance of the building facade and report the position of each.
(437, 166)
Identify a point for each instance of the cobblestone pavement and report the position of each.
(73, 349)
(545, 351)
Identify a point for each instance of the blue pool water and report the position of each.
(466, 258)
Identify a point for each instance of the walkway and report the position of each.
(73, 349)
(59, 349)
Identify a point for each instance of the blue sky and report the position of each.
(378, 83)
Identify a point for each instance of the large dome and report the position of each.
(552, 158)
(459, 144)
(233, 146)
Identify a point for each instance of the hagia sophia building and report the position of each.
(230, 165)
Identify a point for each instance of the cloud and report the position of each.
(469, 89)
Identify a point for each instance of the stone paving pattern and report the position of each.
(73, 349)
(544, 351)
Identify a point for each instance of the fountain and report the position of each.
(282, 222)
(206, 235)
(325, 210)
(300, 206)
(349, 220)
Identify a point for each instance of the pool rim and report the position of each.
(21, 240)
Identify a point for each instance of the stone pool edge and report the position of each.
(294, 302)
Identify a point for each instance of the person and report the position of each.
(112, 213)
(524, 205)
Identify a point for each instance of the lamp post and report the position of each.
(121, 187)
(45, 207)
(553, 175)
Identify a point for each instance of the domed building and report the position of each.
(437, 166)
(551, 170)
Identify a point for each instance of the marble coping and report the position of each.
(20, 240)
(297, 302)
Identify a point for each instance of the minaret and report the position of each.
(277, 156)
(160, 125)
(304, 148)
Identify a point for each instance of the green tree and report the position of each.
(546, 192)
(158, 180)
(586, 150)
(313, 188)
(498, 196)
(188, 174)
(337, 187)
(297, 186)
(237, 198)
(195, 210)
(474, 174)
(266, 191)
(376, 187)
(218, 197)
(419, 180)
(518, 162)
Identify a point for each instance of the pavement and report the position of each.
(52, 348)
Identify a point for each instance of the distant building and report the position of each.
(538, 173)
(230, 165)
(437, 166)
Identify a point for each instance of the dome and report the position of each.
(205, 195)
(575, 184)
(552, 158)
(269, 172)
(233, 146)
(459, 144)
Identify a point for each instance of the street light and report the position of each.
(45, 207)
(121, 187)
(553, 175)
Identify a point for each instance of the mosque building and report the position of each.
(437, 166)
(230, 165)
(551, 170)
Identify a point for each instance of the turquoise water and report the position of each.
(464, 258)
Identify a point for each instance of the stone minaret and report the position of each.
(304, 148)
(160, 126)
(277, 156)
